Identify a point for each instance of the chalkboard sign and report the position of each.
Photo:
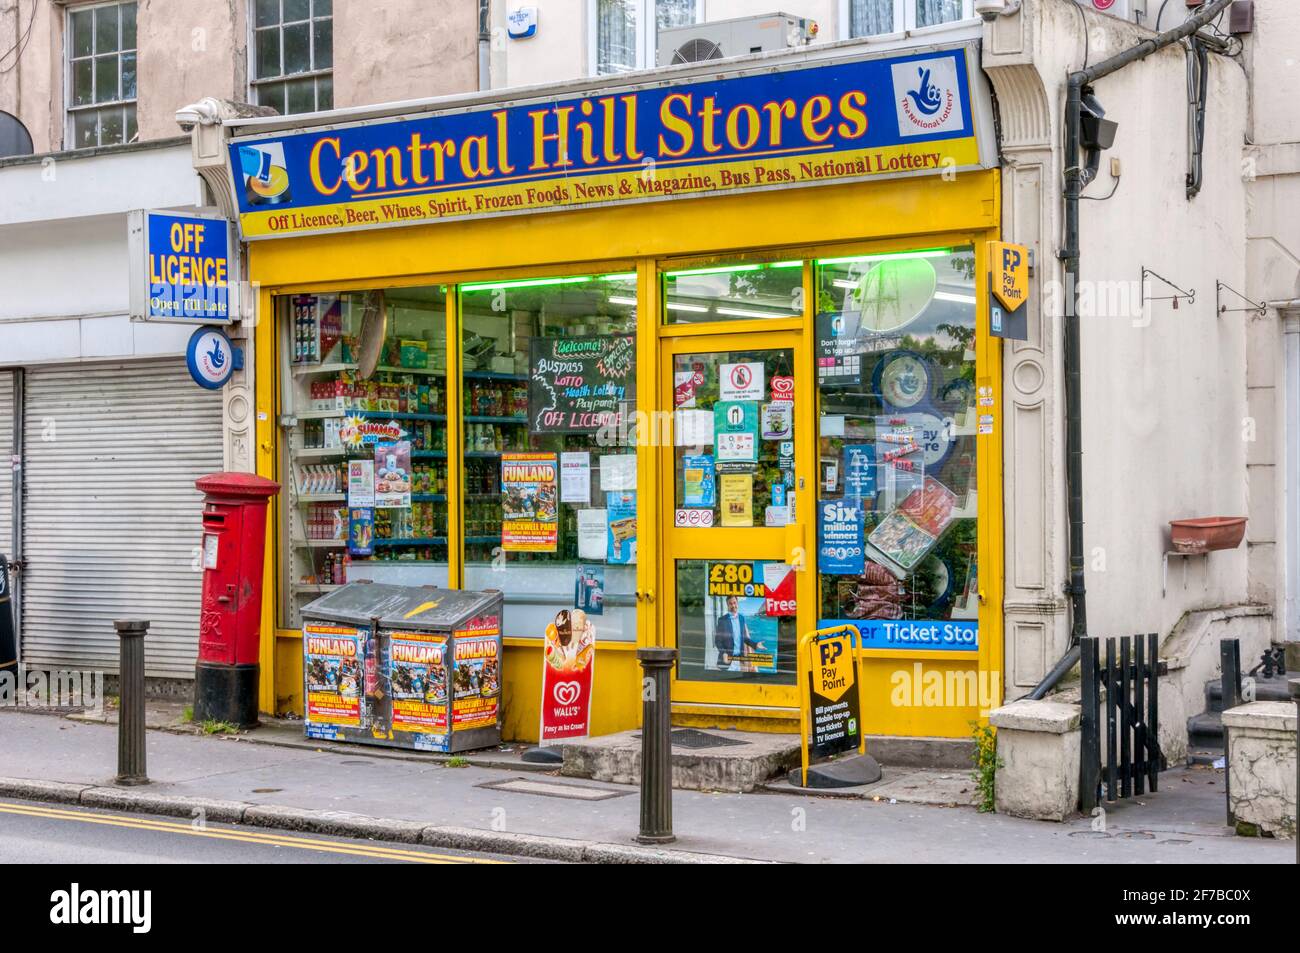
(580, 385)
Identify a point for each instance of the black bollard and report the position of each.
(656, 745)
(130, 711)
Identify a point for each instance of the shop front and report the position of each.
(701, 361)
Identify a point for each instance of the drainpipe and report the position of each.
(1069, 253)
(484, 44)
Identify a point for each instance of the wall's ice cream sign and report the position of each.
(802, 125)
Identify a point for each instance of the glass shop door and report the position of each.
(736, 516)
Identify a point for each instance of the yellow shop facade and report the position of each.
(698, 359)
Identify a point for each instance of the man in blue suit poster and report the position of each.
(732, 639)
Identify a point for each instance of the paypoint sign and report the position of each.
(182, 268)
(1008, 290)
(832, 716)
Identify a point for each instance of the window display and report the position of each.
(897, 425)
(549, 397)
(366, 466)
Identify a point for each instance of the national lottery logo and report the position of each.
(926, 96)
(210, 358)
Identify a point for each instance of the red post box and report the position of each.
(234, 543)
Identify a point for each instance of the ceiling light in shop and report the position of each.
(725, 269)
(694, 308)
(924, 253)
(525, 283)
(949, 296)
(621, 299)
(742, 313)
(711, 271)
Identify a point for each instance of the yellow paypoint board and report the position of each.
(1008, 290)
(829, 692)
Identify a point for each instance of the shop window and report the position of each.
(365, 481)
(549, 394)
(899, 413)
(622, 37)
(292, 55)
(101, 85)
(736, 292)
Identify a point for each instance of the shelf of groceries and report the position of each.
(335, 422)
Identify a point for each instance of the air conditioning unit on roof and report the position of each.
(722, 38)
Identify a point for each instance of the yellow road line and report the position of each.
(263, 838)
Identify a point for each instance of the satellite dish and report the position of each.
(893, 293)
(374, 328)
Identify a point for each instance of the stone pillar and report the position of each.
(1036, 620)
(1038, 745)
(1261, 763)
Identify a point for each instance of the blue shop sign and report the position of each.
(183, 268)
(801, 123)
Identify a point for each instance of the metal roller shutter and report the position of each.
(111, 516)
(6, 470)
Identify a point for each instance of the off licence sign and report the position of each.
(181, 268)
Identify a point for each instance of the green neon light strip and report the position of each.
(724, 269)
(924, 253)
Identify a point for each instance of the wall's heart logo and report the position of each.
(566, 693)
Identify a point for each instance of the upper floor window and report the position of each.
(101, 74)
(293, 55)
(876, 17)
(626, 31)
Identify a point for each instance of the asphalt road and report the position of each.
(32, 833)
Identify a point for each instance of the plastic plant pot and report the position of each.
(1207, 533)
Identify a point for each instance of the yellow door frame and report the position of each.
(725, 543)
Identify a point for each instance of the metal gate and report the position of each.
(110, 512)
(1129, 679)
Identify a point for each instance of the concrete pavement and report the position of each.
(1181, 824)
